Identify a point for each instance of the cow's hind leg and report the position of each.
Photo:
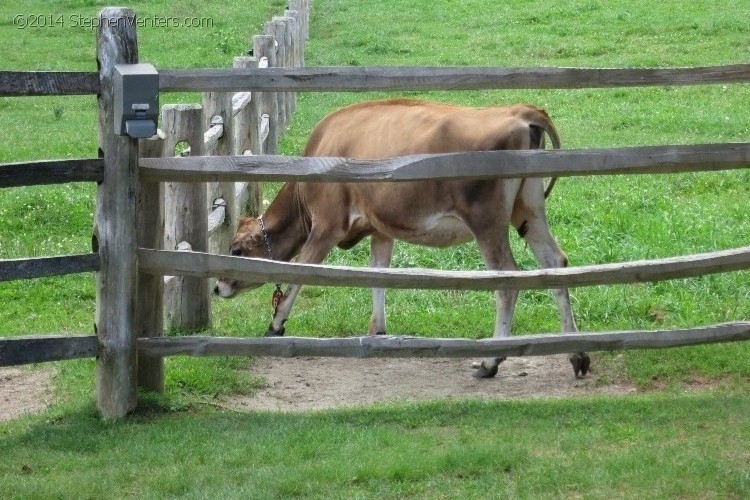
(499, 257)
(530, 220)
(381, 251)
(490, 228)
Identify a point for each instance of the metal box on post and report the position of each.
(136, 110)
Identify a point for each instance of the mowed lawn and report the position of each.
(669, 443)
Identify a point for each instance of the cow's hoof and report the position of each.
(275, 333)
(380, 333)
(483, 372)
(581, 363)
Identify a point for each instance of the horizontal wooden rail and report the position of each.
(475, 165)
(405, 347)
(203, 265)
(27, 83)
(51, 172)
(353, 79)
(39, 267)
(39, 348)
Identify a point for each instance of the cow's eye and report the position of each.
(237, 252)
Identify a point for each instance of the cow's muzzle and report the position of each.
(228, 288)
(225, 288)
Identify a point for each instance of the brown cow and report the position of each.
(308, 219)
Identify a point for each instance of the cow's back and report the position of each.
(399, 127)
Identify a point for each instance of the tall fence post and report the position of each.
(217, 107)
(187, 302)
(115, 226)
(276, 29)
(247, 138)
(303, 13)
(264, 48)
(149, 318)
(286, 50)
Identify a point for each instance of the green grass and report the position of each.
(671, 444)
(655, 446)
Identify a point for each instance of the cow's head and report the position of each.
(248, 242)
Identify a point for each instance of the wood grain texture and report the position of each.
(289, 59)
(406, 347)
(186, 301)
(149, 320)
(115, 226)
(28, 83)
(40, 348)
(277, 30)
(475, 165)
(37, 173)
(248, 195)
(264, 48)
(39, 267)
(206, 265)
(355, 79)
(218, 106)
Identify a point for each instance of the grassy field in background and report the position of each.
(669, 444)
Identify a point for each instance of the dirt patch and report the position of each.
(305, 384)
(23, 390)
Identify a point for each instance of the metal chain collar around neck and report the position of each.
(265, 237)
(278, 294)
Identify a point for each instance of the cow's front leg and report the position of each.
(314, 250)
(381, 251)
(276, 328)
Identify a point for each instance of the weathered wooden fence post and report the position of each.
(187, 302)
(217, 107)
(247, 138)
(286, 51)
(277, 30)
(264, 47)
(149, 320)
(115, 235)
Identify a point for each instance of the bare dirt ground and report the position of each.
(305, 384)
(23, 390)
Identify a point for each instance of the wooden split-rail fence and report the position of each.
(204, 217)
(130, 262)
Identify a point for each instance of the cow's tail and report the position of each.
(547, 125)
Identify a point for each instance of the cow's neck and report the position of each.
(287, 223)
